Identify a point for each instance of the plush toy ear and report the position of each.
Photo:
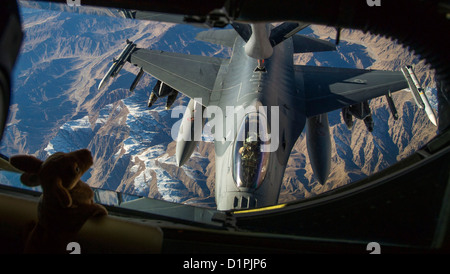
(30, 179)
(62, 194)
(30, 165)
(26, 163)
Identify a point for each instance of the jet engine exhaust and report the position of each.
(318, 142)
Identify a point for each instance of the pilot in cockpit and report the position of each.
(249, 152)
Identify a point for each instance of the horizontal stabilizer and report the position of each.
(284, 31)
(244, 30)
(304, 43)
(278, 34)
(224, 37)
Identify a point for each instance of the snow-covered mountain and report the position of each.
(57, 107)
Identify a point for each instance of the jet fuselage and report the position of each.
(241, 86)
(258, 102)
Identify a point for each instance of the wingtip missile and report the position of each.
(428, 110)
(427, 107)
(103, 82)
(418, 93)
(107, 76)
(413, 84)
(118, 63)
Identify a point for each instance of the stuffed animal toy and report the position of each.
(66, 202)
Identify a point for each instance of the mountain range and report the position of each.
(56, 106)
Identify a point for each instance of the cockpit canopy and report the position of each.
(250, 160)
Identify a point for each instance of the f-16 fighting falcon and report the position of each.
(278, 99)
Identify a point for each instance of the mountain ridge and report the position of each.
(57, 107)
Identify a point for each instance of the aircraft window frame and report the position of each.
(122, 204)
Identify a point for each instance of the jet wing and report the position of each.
(192, 75)
(327, 89)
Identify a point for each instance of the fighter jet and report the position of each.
(279, 100)
(412, 194)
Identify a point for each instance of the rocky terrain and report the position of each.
(57, 107)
